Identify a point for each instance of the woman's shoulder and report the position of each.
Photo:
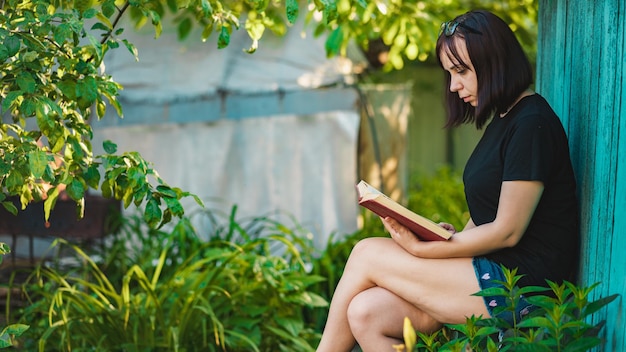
(535, 109)
(535, 113)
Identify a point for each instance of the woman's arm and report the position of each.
(518, 200)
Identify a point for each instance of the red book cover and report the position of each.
(382, 205)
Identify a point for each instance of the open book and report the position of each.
(381, 205)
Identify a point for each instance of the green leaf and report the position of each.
(334, 42)
(108, 8)
(4, 248)
(10, 98)
(28, 106)
(12, 43)
(207, 10)
(106, 24)
(100, 26)
(92, 176)
(174, 206)
(68, 87)
(30, 56)
(167, 217)
(224, 38)
(292, 10)
(62, 32)
(101, 109)
(535, 322)
(152, 214)
(26, 83)
(184, 28)
(15, 329)
(330, 10)
(4, 53)
(531, 289)
(37, 161)
(82, 5)
(48, 174)
(597, 305)
(87, 89)
(49, 203)
(107, 190)
(127, 198)
(132, 49)
(109, 147)
(90, 13)
(15, 179)
(207, 30)
(167, 191)
(76, 189)
(156, 22)
(10, 207)
(582, 344)
(492, 291)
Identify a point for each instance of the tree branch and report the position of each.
(120, 13)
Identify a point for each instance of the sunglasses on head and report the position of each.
(449, 28)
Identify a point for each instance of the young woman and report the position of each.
(519, 187)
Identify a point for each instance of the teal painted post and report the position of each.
(580, 69)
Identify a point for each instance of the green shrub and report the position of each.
(560, 322)
(194, 295)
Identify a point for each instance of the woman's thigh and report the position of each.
(441, 288)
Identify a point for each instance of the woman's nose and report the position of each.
(455, 85)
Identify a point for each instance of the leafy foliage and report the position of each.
(409, 28)
(178, 293)
(52, 74)
(559, 323)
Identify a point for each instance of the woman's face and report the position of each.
(462, 79)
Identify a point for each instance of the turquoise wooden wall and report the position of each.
(580, 70)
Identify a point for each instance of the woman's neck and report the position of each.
(524, 94)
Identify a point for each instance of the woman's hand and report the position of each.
(449, 227)
(401, 234)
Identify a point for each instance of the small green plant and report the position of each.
(11, 332)
(560, 322)
(181, 294)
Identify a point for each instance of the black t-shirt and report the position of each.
(529, 143)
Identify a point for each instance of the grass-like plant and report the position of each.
(560, 322)
(194, 295)
(9, 333)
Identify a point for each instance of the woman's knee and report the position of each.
(362, 310)
(369, 247)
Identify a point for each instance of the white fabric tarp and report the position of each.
(303, 166)
(258, 131)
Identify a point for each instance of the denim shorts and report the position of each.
(488, 273)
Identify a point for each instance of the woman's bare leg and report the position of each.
(376, 318)
(440, 289)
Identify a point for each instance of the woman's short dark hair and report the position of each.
(502, 69)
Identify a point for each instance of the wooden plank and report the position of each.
(615, 62)
(580, 71)
(603, 195)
